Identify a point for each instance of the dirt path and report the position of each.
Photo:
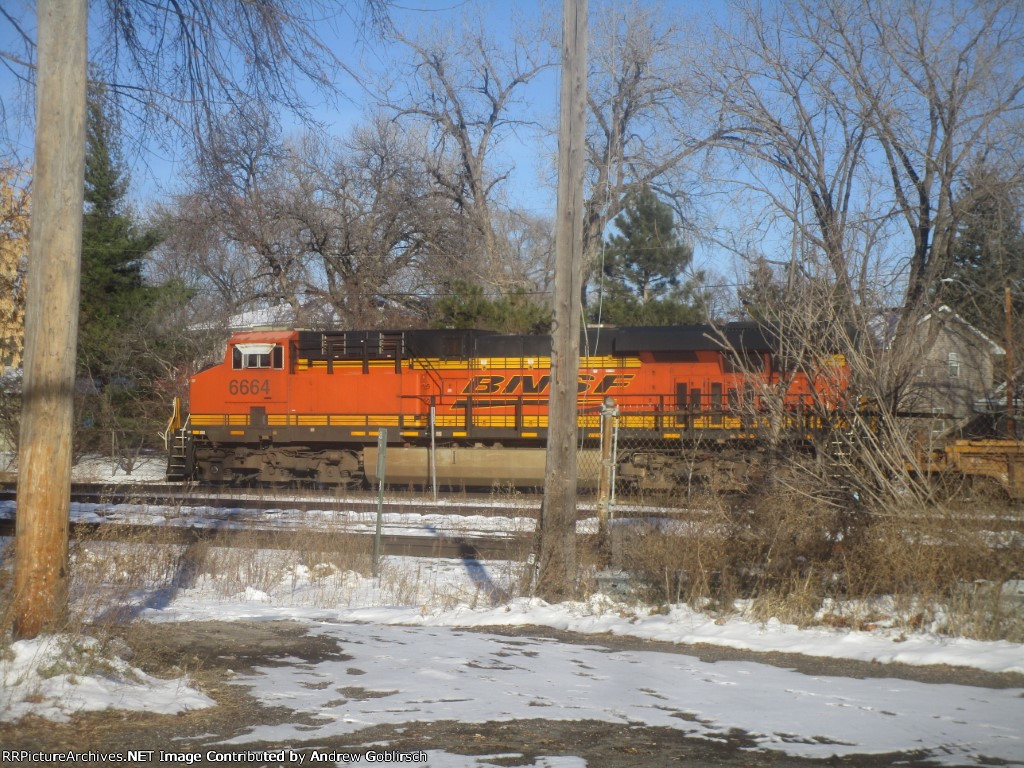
(214, 652)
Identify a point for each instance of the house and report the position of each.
(953, 369)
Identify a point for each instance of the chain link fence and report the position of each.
(654, 459)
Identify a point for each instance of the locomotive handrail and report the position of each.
(427, 366)
(174, 424)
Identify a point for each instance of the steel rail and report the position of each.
(330, 539)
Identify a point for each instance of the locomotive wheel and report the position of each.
(213, 473)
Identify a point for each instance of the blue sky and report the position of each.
(156, 170)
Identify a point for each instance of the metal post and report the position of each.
(433, 450)
(382, 447)
(615, 460)
(604, 483)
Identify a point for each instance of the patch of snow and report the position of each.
(103, 469)
(457, 593)
(393, 675)
(55, 676)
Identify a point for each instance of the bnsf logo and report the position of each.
(528, 385)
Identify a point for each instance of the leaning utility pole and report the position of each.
(558, 513)
(51, 319)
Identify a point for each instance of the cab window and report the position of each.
(257, 356)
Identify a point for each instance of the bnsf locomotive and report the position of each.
(308, 405)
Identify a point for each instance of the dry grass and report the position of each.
(808, 560)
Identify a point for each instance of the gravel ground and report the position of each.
(212, 652)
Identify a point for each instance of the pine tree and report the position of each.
(988, 253)
(116, 371)
(516, 312)
(114, 247)
(643, 268)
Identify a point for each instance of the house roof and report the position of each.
(883, 326)
(994, 348)
(281, 317)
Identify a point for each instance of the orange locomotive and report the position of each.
(287, 405)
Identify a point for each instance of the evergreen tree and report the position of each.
(643, 268)
(988, 254)
(117, 370)
(114, 247)
(516, 312)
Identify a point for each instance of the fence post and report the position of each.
(606, 479)
(433, 447)
(382, 447)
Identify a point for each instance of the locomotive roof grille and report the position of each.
(467, 343)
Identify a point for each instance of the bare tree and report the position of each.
(361, 217)
(530, 240)
(855, 120)
(340, 231)
(640, 98)
(241, 184)
(855, 124)
(937, 83)
(222, 275)
(176, 69)
(464, 86)
(799, 140)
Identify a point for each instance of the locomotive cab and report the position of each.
(234, 403)
(251, 383)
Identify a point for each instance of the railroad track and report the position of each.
(271, 517)
(278, 519)
(327, 540)
(296, 499)
(522, 505)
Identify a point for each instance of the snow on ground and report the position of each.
(55, 676)
(437, 759)
(409, 650)
(458, 593)
(431, 525)
(102, 469)
(432, 673)
(405, 634)
(420, 666)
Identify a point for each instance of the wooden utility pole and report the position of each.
(51, 318)
(558, 513)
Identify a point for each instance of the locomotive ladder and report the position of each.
(177, 458)
(176, 443)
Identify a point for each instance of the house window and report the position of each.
(953, 360)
